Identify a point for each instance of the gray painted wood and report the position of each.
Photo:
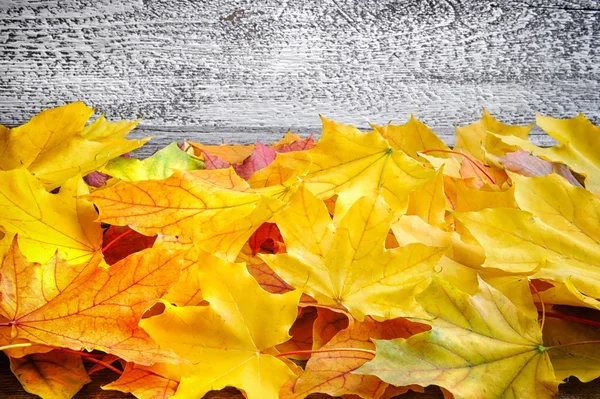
(244, 70)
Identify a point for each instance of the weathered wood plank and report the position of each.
(247, 69)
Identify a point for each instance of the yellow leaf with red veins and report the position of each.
(479, 346)
(209, 206)
(348, 265)
(56, 374)
(54, 145)
(351, 164)
(229, 341)
(331, 372)
(472, 139)
(87, 306)
(143, 383)
(47, 223)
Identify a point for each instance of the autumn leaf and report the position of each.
(228, 341)
(348, 266)
(352, 164)
(292, 142)
(210, 206)
(562, 242)
(54, 146)
(529, 165)
(56, 374)
(159, 166)
(86, 306)
(331, 372)
(227, 153)
(479, 346)
(46, 222)
(143, 383)
(413, 137)
(556, 202)
(261, 157)
(472, 139)
(579, 141)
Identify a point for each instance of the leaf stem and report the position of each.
(467, 157)
(108, 366)
(91, 357)
(308, 352)
(117, 238)
(6, 347)
(9, 324)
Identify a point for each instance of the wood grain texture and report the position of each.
(245, 70)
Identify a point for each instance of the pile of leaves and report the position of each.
(364, 264)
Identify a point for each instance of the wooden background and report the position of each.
(247, 70)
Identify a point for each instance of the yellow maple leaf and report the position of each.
(212, 207)
(46, 222)
(518, 242)
(472, 139)
(348, 266)
(55, 146)
(230, 341)
(480, 346)
(351, 163)
(413, 137)
(86, 306)
(579, 140)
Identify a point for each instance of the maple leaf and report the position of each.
(473, 138)
(56, 374)
(46, 222)
(50, 304)
(143, 383)
(227, 153)
(351, 164)
(560, 238)
(159, 166)
(349, 266)
(210, 206)
(529, 165)
(292, 142)
(413, 137)
(479, 346)
(54, 146)
(579, 140)
(331, 372)
(230, 341)
(261, 157)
